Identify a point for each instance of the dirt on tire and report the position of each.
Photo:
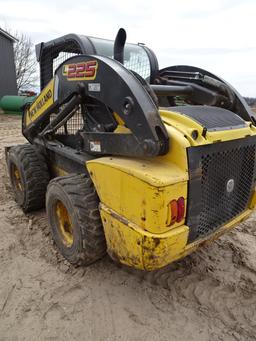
(210, 295)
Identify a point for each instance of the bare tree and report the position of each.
(25, 62)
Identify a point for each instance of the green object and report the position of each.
(13, 104)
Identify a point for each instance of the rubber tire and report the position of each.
(79, 196)
(34, 174)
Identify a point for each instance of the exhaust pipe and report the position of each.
(119, 45)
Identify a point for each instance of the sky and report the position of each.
(216, 35)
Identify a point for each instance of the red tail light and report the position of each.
(181, 209)
(174, 211)
(177, 210)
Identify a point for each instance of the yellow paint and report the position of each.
(58, 171)
(40, 104)
(154, 172)
(64, 224)
(252, 204)
(135, 196)
(186, 125)
(131, 245)
(17, 178)
(139, 190)
(121, 129)
(118, 119)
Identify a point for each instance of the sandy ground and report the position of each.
(210, 295)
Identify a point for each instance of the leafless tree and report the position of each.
(25, 62)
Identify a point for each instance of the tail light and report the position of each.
(181, 209)
(177, 210)
(174, 211)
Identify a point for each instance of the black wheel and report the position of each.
(29, 176)
(74, 219)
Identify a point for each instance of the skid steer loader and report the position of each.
(142, 163)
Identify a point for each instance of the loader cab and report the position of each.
(137, 57)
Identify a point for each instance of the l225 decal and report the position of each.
(80, 71)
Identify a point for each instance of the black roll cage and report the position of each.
(197, 86)
(80, 44)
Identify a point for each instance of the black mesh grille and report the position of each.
(212, 118)
(139, 63)
(75, 123)
(233, 169)
(61, 58)
(222, 187)
(53, 57)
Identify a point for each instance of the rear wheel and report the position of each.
(74, 219)
(29, 176)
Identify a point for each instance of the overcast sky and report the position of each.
(215, 35)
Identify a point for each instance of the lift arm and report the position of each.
(105, 84)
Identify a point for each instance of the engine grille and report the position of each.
(221, 180)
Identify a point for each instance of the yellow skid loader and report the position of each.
(142, 163)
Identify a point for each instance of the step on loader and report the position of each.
(143, 163)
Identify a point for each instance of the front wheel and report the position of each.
(74, 219)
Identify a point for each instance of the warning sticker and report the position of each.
(95, 87)
(95, 146)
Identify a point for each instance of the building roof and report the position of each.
(8, 35)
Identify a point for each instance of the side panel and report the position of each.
(131, 245)
(139, 190)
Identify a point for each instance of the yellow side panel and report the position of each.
(139, 190)
(184, 125)
(43, 101)
(130, 245)
(123, 244)
(155, 172)
(159, 252)
(177, 153)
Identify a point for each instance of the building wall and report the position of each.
(8, 84)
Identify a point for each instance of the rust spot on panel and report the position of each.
(156, 242)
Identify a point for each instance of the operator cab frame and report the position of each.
(174, 86)
(137, 57)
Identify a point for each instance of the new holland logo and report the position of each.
(40, 103)
(230, 185)
(80, 71)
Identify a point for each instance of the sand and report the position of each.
(209, 295)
